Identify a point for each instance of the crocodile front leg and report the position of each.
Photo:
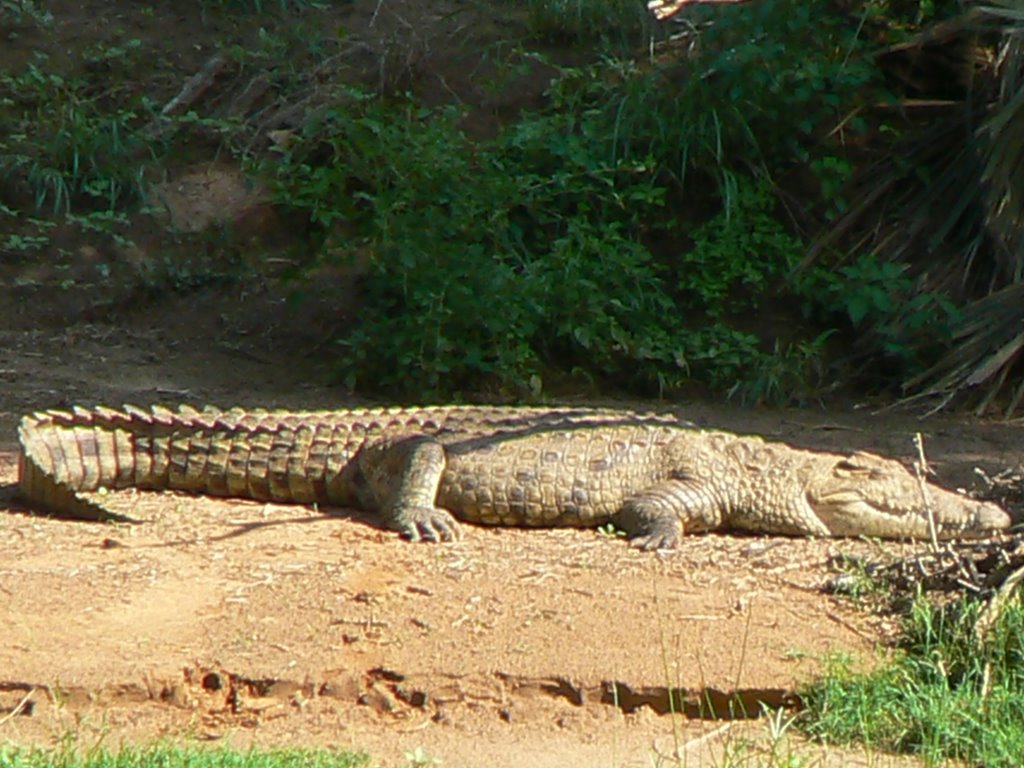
(658, 517)
(400, 478)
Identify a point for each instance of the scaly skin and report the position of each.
(420, 468)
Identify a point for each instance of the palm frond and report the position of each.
(948, 201)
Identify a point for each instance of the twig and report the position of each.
(195, 86)
(921, 470)
(373, 19)
(848, 625)
(701, 740)
(190, 93)
(17, 707)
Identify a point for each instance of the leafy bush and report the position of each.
(488, 260)
(564, 244)
(762, 86)
(18, 13)
(892, 318)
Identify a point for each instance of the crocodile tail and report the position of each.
(258, 454)
(40, 488)
(64, 452)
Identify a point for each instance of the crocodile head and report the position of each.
(865, 494)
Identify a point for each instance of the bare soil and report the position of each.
(237, 622)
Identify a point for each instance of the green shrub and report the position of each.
(566, 243)
(485, 261)
(893, 319)
(761, 87)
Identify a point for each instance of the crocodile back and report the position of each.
(285, 456)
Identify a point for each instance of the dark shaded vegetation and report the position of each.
(766, 200)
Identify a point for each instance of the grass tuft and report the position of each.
(167, 756)
(948, 695)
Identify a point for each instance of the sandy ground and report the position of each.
(240, 622)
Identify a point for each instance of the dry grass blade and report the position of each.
(989, 616)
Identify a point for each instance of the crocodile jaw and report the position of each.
(846, 514)
(864, 494)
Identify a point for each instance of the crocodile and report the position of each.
(420, 470)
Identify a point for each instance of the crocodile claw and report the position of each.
(658, 539)
(649, 529)
(429, 524)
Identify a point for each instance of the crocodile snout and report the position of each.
(991, 517)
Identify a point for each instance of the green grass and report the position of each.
(70, 141)
(734, 755)
(948, 694)
(166, 756)
(613, 24)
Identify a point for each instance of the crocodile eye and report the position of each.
(848, 466)
(863, 465)
(858, 472)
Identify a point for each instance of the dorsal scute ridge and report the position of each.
(162, 415)
(134, 413)
(55, 415)
(110, 415)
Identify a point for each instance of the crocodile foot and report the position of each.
(662, 537)
(426, 524)
(649, 529)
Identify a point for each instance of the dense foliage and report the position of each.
(750, 198)
(630, 231)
